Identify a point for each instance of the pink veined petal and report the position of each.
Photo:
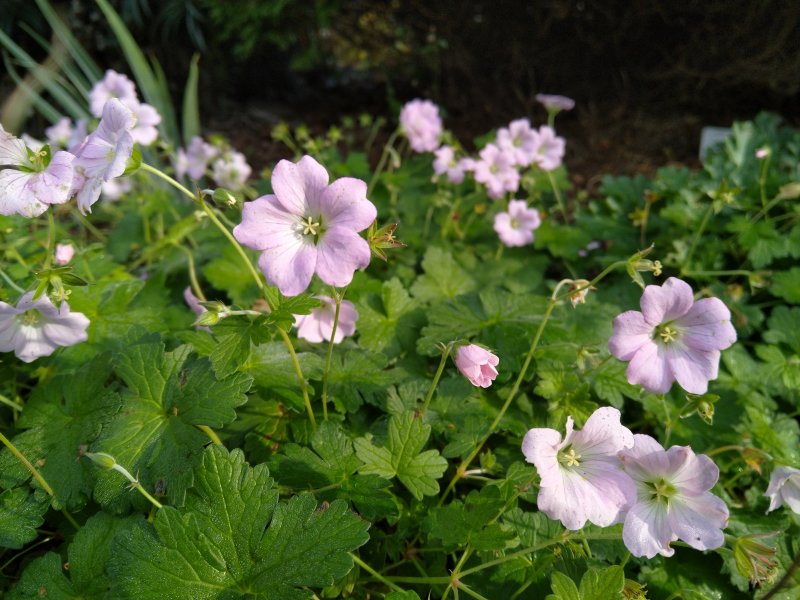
(647, 530)
(631, 332)
(699, 520)
(265, 224)
(667, 302)
(9, 327)
(298, 187)
(308, 329)
(52, 185)
(15, 195)
(642, 446)
(565, 501)
(116, 118)
(540, 447)
(344, 202)
(614, 491)
(707, 325)
(649, 368)
(695, 474)
(642, 462)
(693, 369)
(68, 330)
(602, 435)
(30, 344)
(290, 268)
(341, 253)
(348, 315)
(89, 194)
(12, 150)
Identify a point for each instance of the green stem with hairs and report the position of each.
(338, 297)
(375, 574)
(436, 377)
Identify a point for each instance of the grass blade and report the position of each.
(82, 58)
(10, 106)
(65, 62)
(191, 103)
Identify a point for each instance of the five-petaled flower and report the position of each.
(515, 227)
(674, 338)
(422, 125)
(308, 226)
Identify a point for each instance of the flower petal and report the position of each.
(631, 332)
(16, 197)
(707, 325)
(344, 203)
(298, 187)
(693, 369)
(699, 521)
(341, 252)
(265, 224)
(649, 368)
(602, 435)
(540, 447)
(646, 531)
(290, 267)
(667, 302)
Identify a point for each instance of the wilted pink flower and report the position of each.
(496, 171)
(582, 479)
(673, 501)
(422, 125)
(784, 488)
(673, 338)
(35, 328)
(308, 226)
(317, 326)
(520, 140)
(550, 151)
(28, 185)
(516, 226)
(194, 160)
(231, 171)
(555, 102)
(445, 162)
(112, 85)
(64, 254)
(477, 364)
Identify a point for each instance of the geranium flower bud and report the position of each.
(477, 364)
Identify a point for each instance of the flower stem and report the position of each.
(51, 240)
(147, 495)
(435, 382)
(698, 233)
(10, 282)
(337, 296)
(177, 185)
(212, 435)
(8, 402)
(557, 194)
(375, 574)
(299, 371)
(382, 161)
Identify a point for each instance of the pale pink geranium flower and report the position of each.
(674, 338)
(59, 133)
(308, 226)
(784, 488)
(231, 171)
(194, 160)
(496, 171)
(581, 475)
(515, 227)
(145, 132)
(422, 125)
(554, 102)
(35, 328)
(64, 254)
(104, 153)
(520, 140)
(673, 499)
(477, 364)
(112, 85)
(445, 162)
(317, 326)
(550, 151)
(28, 185)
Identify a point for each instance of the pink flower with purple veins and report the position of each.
(35, 328)
(515, 227)
(308, 226)
(477, 364)
(318, 326)
(520, 140)
(112, 85)
(581, 475)
(422, 125)
(496, 171)
(673, 499)
(674, 338)
(445, 163)
(555, 102)
(550, 151)
(784, 488)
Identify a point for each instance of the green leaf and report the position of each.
(403, 456)
(563, 587)
(21, 512)
(784, 327)
(443, 278)
(191, 104)
(603, 585)
(217, 547)
(391, 324)
(472, 522)
(786, 285)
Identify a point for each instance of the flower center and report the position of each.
(29, 317)
(310, 227)
(515, 223)
(667, 333)
(569, 458)
(661, 490)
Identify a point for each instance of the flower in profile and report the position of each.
(317, 326)
(28, 182)
(515, 227)
(520, 140)
(673, 499)
(674, 338)
(784, 488)
(104, 154)
(496, 171)
(231, 171)
(308, 226)
(64, 254)
(550, 150)
(581, 478)
(555, 102)
(477, 364)
(194, 160)
(445, 162)
(422, 125)
(35, 328)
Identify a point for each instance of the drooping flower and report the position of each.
(496, 171)
(784, 488)
(104, 153)
(520, 140)
(308, 226)
(64, 254)
(555, 102)
(550, 150)
(515, 227)
(674, 338)
(422, 125)
(231, 171)
(581, 476)
(477, 364)
(317, 326)
(28, 184)
(445, 162)
(194, 160)
(35, 328)
(673, 499)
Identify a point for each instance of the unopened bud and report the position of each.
(101, 459)
(223, 196)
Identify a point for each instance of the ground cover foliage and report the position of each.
(216, 454)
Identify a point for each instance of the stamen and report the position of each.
(310, 227)
(29, 317)
(668, 334)
(572, 458)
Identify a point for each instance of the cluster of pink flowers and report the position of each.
(604, 474)
(116, 85)
(229, 168)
